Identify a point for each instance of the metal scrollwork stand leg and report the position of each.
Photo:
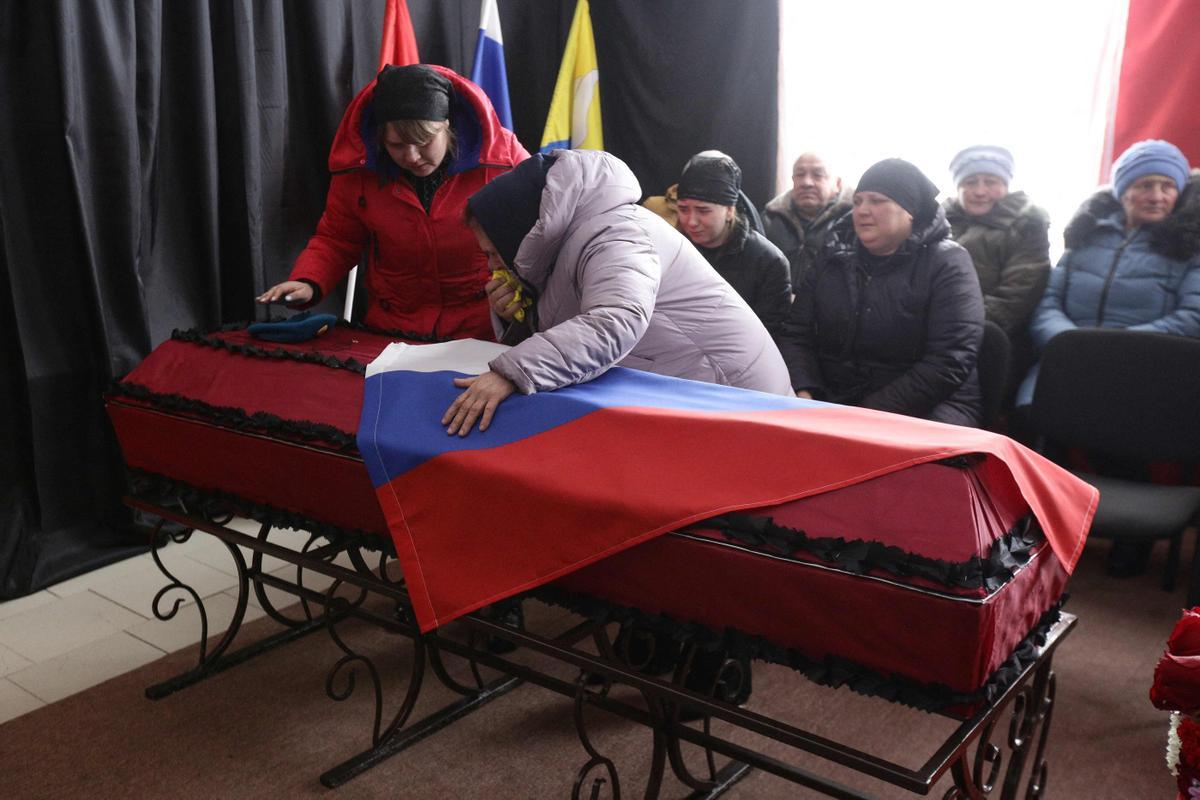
(337, 609)
(260, 587)
(1030, 719)
(388, 741)
(1034, 723)
(728, 680)
(664, 719)
(398, 735)
(217, 659)
(209, 661)
(595, 760)
(588, 685)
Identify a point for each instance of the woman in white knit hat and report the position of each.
(1006, 235)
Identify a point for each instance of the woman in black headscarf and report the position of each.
(891, 315)
(720, 221)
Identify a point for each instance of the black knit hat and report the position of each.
(712, 177)
(903, 183)
(508, 207)
(411, 92)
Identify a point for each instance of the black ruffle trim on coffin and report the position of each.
(830, 671)
(208, 338)
(213, 503)
(858, 556)
(391, 333)
(238, 419)
(254, 351)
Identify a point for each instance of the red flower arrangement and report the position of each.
(1177, 688)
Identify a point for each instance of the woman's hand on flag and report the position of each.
(483, 394)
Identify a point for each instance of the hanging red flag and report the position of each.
(399, 45)
(1157, 83)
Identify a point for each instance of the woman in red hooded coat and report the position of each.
(412, 147)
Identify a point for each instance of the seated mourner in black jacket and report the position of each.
(707, 201)
(891, 315)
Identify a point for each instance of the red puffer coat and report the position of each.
(425, 271)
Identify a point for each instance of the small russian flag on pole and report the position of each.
(488, 71)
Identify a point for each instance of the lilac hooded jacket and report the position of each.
(618, 286)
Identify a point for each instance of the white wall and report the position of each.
(864, 80)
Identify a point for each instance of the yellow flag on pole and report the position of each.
(574, 119)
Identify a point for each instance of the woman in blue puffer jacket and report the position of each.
(1133, 255)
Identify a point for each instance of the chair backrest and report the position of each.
(1122, 393)
(993, 371)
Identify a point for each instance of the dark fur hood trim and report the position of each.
(1177, 237)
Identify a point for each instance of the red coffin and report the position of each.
(924, 579)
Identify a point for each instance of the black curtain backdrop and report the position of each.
(162, 161)
(684, 76)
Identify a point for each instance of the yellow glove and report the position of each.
(518, 298)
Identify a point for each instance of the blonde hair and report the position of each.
(411, 131)
(419, 132)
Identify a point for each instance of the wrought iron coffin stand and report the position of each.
(973, 753)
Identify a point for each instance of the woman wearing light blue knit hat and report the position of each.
(1154, 159)
(1133, 254)
(1132, 261)
(1007, 237)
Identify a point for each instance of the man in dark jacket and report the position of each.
(799, 220)
(890, 317)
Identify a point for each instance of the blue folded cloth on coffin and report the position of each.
(298, 328)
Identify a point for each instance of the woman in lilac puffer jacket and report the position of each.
(614, 284)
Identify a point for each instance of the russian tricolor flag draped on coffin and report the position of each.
(564, 478)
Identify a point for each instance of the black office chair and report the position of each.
(992, 366)
(1128, 398)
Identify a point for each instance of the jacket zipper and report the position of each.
(862, 283)
(1112, 273)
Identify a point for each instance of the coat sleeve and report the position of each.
(1185, 319)
(798, 338)
(1050, 318)
(340, 236)
(773, 230)
(1023, 278)
(779, 233)
(774, 295)
(954, 330)
(617, 280)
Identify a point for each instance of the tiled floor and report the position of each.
(83, 631)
